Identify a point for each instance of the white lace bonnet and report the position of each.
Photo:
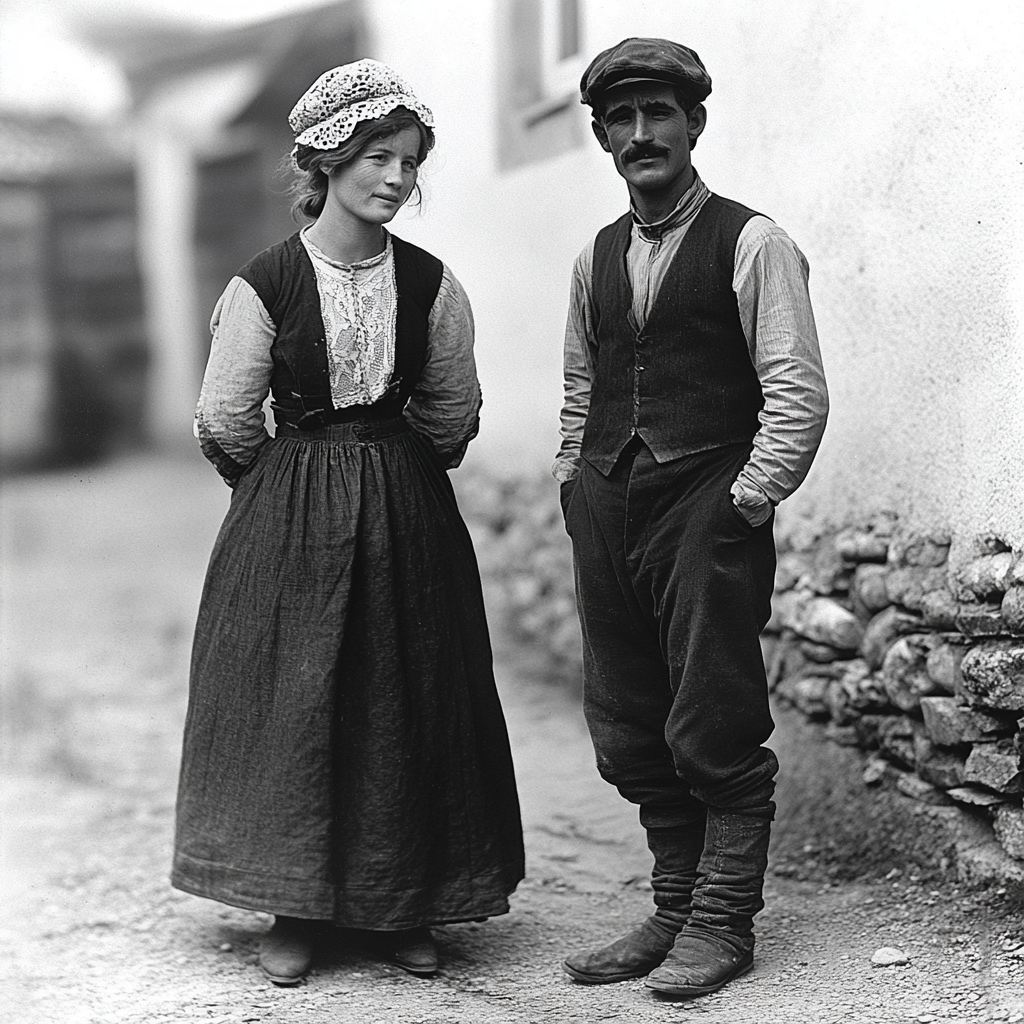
(339, 99)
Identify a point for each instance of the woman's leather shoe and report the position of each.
(286, 951)
(414, 951)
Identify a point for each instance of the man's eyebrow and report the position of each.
(644, 104)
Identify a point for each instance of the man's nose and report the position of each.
(642, 129)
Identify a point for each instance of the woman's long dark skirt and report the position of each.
(345, 754)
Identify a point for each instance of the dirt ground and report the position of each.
(102, 574)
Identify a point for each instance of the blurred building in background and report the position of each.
(73, 342)
(885, 140)
(209, 120)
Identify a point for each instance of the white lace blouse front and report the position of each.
(359, 303)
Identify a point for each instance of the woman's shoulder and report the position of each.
(266, 271)
(414, 252)
(423, 269)
(273, 257)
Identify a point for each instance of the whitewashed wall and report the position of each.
(885, 137)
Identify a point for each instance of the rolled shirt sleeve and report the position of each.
(770, 281)
(445, 406)
(229, 420)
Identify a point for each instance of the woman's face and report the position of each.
(373, 187)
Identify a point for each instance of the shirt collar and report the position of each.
(686, 209)
(373, 261)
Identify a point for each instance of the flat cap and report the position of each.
(645, 60)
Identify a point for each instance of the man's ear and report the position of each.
(696, 121)
(601, 135)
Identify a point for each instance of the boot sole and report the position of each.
(604, 979)
(688, 991)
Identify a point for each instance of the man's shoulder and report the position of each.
(623, 223)
(731, 209)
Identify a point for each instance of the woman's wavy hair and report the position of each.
(312, 167)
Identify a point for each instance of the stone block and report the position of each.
(980, 619)
(1008, 825)
(1012, 610)
(919, 550)
(995, 765)
(943, 665)
(987, 576)
(949, 724)
(858, 691)
(940, 767)
(822, 620)
(868, 587)
(829, 572)
(808, 694)
(976, 796)
(896, 739)
(993, 675)
(907, 585)
(822, 654)
(940, 609)
(786, 606)
(1017, 572)
(840, 706)
(905, 670)
(792, 567)
(919, 789)
(843, 735)
(875, 771)
(883, 631)
(862, 545)
(869, 728)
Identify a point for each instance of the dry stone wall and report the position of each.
(874, 635)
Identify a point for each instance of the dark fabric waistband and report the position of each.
(359, 430)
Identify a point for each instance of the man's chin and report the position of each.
(648, 179)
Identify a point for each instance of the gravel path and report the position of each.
(101, 580)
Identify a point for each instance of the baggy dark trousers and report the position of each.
(673, 587)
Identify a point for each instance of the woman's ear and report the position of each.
(600, 134)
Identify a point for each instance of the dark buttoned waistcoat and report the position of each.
(685, 382)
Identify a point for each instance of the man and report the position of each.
(694, 403)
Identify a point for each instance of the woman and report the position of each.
(345, 756)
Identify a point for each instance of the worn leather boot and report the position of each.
(717, 943)
(286, 951)
(676, 852)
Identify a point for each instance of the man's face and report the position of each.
(648, 135)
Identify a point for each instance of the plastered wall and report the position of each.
(887, 138)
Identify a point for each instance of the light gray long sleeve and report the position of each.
(770, 282)
(445, 405)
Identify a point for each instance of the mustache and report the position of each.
(643, 153)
